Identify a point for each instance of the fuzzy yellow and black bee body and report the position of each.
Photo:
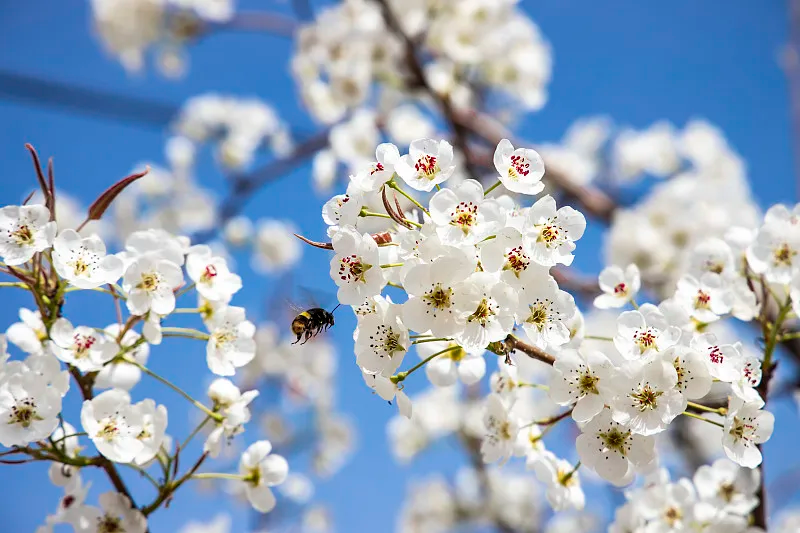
(311, 322)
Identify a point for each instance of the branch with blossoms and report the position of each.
(53, 266)
(474, 267)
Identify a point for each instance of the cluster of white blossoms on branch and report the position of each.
(145, 282)
(487, 44)
(474, 268)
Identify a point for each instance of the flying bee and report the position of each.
(311, 322)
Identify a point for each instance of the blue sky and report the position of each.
(635, 62)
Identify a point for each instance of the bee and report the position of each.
(310, 322)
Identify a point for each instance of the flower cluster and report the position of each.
(476, 270)
(349, 47)
(147, 279)
(129, 28)
(718, 498)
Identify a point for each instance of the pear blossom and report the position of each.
(114, 425)
(724, 361)
(122, 374)
(462, 215)
(233, 405)
(705, 299)
(154, 427)
(432, 296)
(29, 334)
(65, 435)
(210, 273)
(455, 363)
(155, 242)
(116, 514)
(508, 255)
(746, 426)
(487, 308)
(24, 230)
(231, 344)
(28, 407)
(619, 287)
(728, 486)
(577, 380)
(382, 341)
(502, 427)
(150, 283)
(356, 266)
(644, 332)
(694, 379)
(389, 390)
(275, 246)
(520, 170)
(262, 470)
(671, 506)
(645, 398)
(552, 233)
(81, 347)
(83, 261)
(427, 164)
(774, 252)
(379, 172)
(612, 450)
(543, 311)
(342, 210)
(562, 481)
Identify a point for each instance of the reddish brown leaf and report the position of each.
(99, 206)
(40, 176)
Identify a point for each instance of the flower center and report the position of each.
(109, 430)
(439, 297)
(539, 314)
(715, 355)
(222, 338)
(109, 524)
(24, 413)
(742, 430)
(549, 234)
(377, 167)
(587, 383)
(645, 340)
(621, 289)
(82, 344)
(702, 300)
(519, 167)
(208, 274)
(79, 266)
(23, 236)
(464, 215)
(482, 314)
(149, 282)
(352, 269)
(783, 255)
(615, 440)
(426, 166)
(646, 397)
(386, 341)
(516, 260)
(673, 515)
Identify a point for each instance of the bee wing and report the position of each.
(297, 309)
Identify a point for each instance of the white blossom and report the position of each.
(24, 230)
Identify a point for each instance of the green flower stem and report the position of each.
(365, 213)
(395, 285)
(437, 339)
(217, 475)
(393, 185)
(533, 385)
(99, 289)
(216, 416)
(699, 407)
(598, 338)
(184, 290)
(188, 333)
(196, 430)
(392, 265)
(634, 304)
(698, 417)
(397, 378)
(493, 187)
(19, 285)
